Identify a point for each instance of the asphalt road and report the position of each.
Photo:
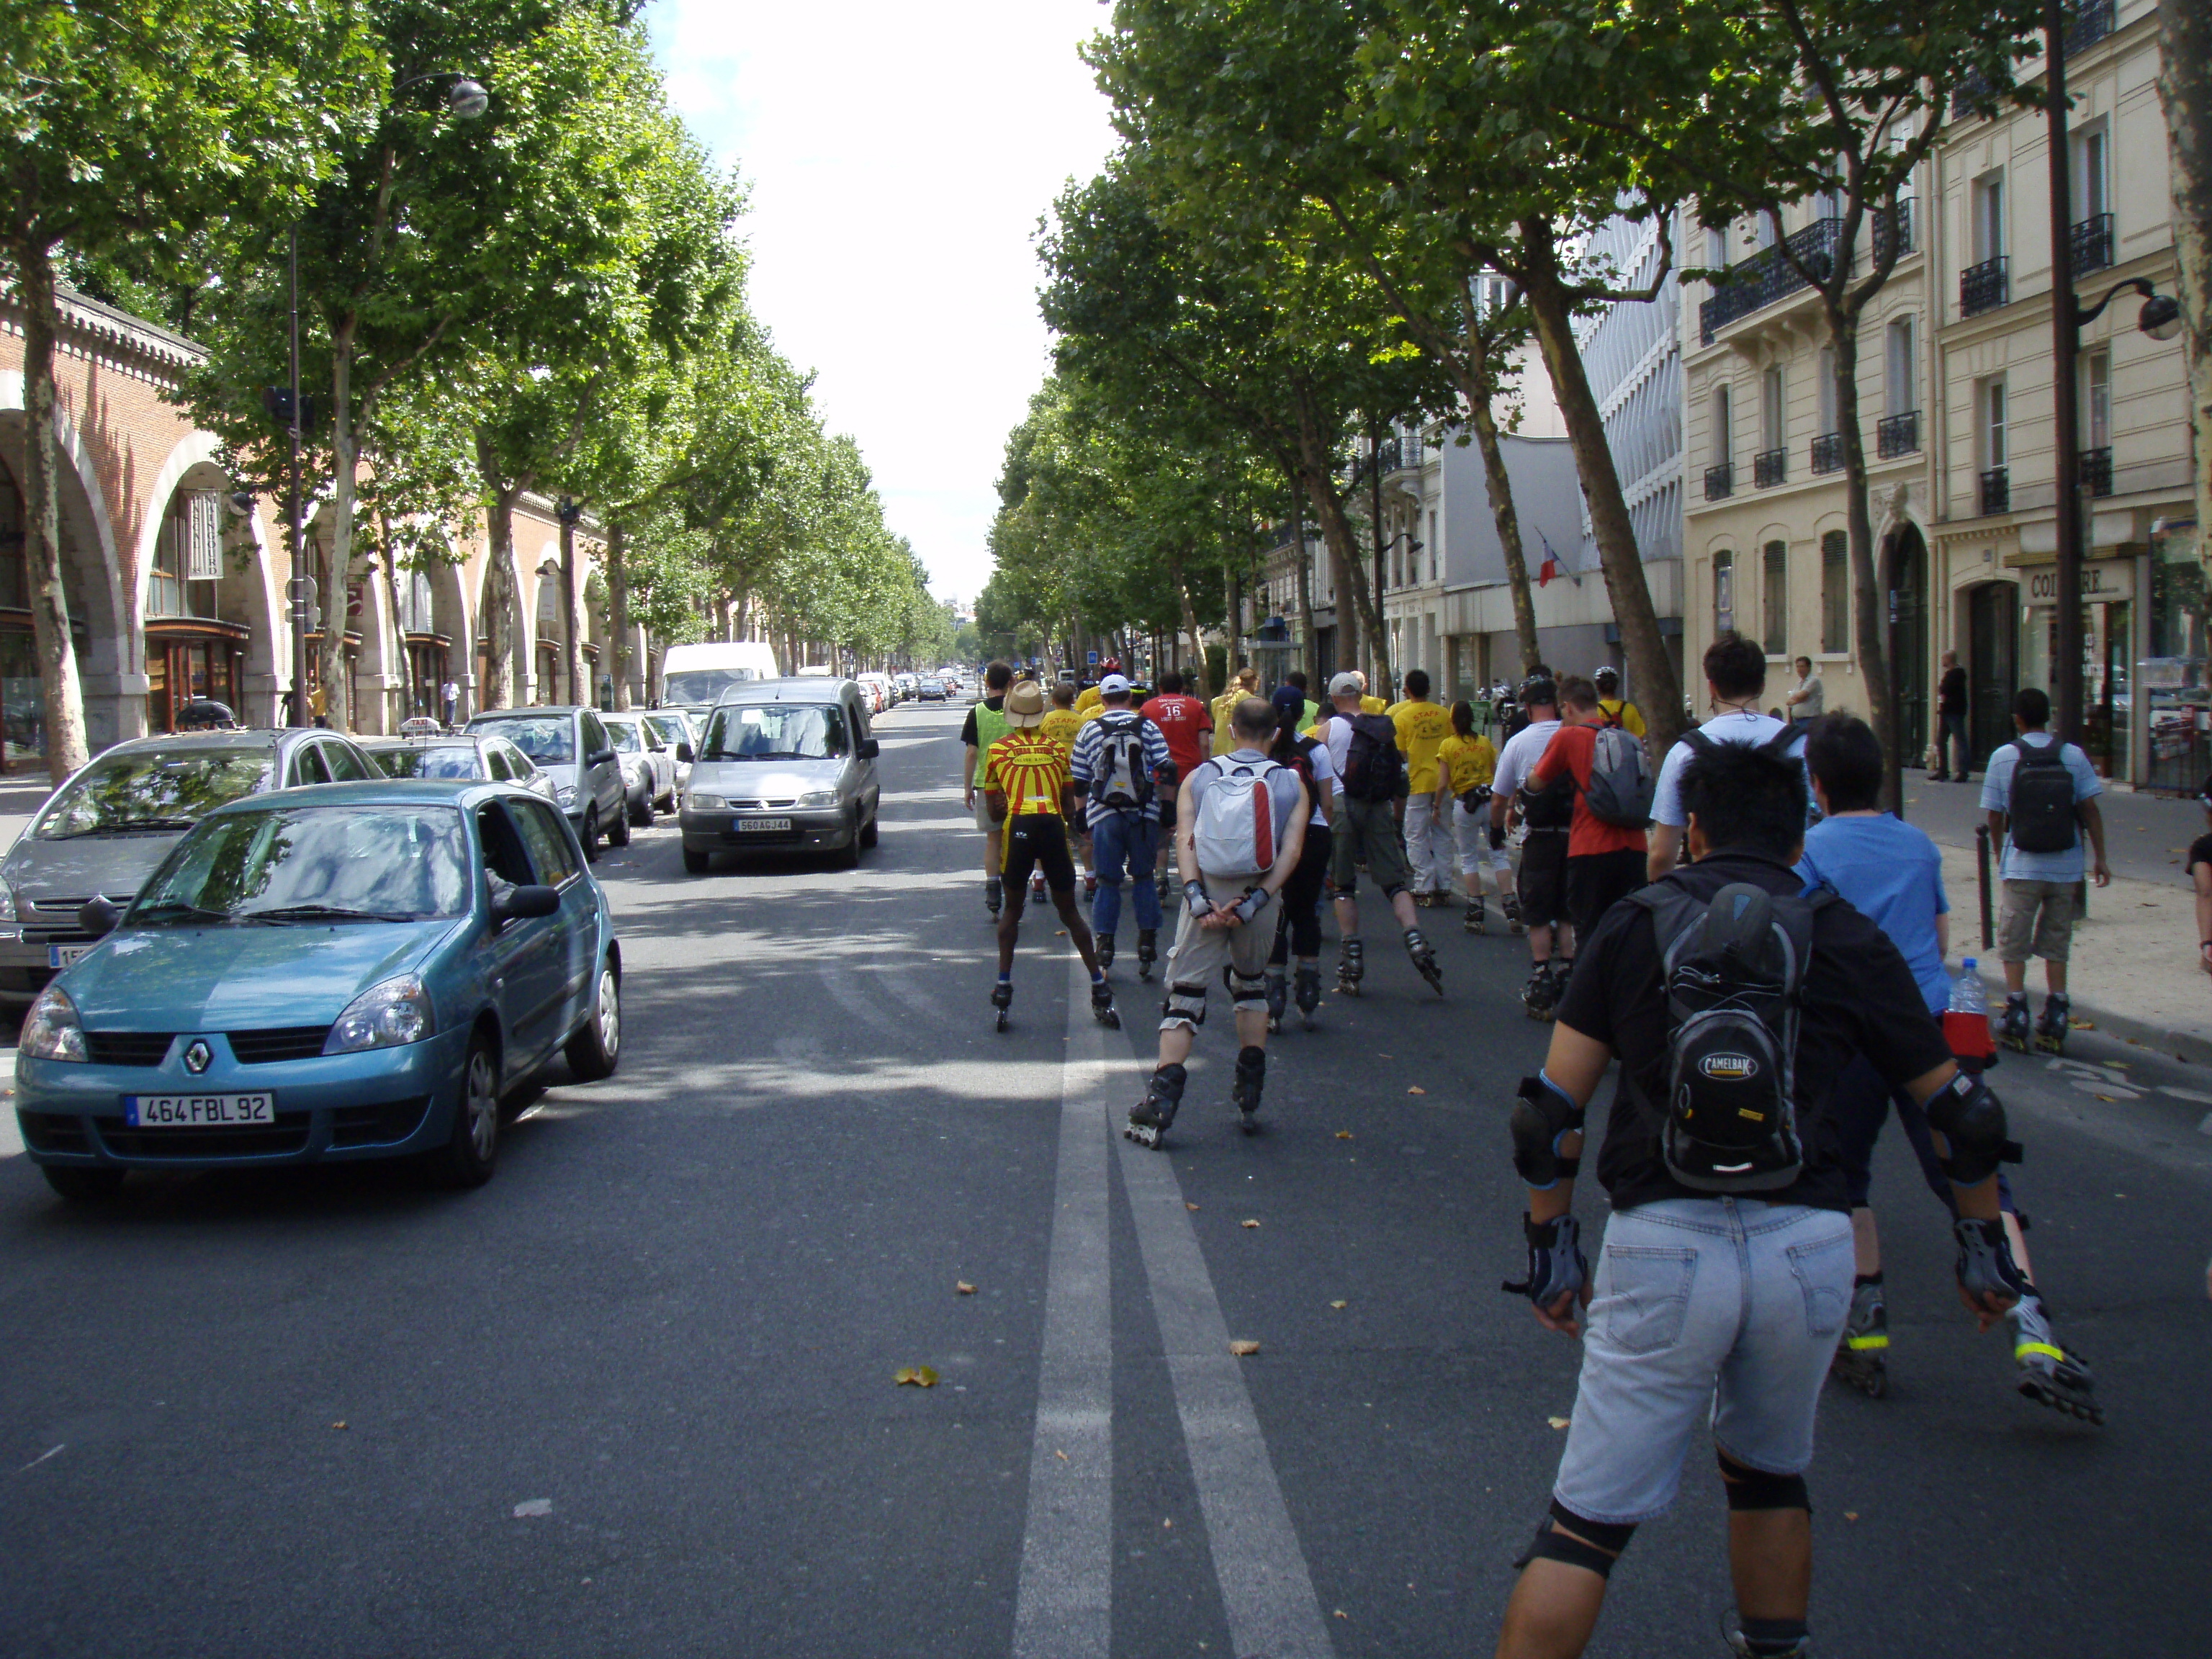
(636, 1396)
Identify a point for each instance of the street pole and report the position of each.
(298, 587)
(2066, 350)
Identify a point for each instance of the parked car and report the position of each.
(649, 766)
(574, 745)
(493, 760)
(676, 730)
(934, 689)
(113, 821)
(909, 685)
(352, 972)
(784, 764)
(876, 688)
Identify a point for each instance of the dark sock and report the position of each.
(1774, 1639)
(1866, 1278)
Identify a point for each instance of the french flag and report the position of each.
(1551, 566)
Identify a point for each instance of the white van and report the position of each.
(695, 676)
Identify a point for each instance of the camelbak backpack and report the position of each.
(1732, 968)
(2041, 802)
(1122, 781)
(1620, 780)
(1373, 767)
(1235, 834)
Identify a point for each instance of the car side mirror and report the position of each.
(598, 757)
(868, 748)
(522, 903)
(97, 916)
(684, 753)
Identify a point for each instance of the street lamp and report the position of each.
(465, 99)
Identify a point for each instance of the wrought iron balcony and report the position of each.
(1766, 276)
(2092, 244)
(1720, 482)
(1896, 435)
(1828, 453)
(1983, 287)
(1996, 491)
(2096, 472)
(1973, 86)
(1769, 467)
(2092, 22)
(1903, 230)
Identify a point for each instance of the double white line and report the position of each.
(1064, 1606)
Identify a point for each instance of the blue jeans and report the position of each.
(1707, 1308)
(1950, 740)
(1123, 845)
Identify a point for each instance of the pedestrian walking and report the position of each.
(1736, 678)
(1544, 822)
(1466, 765)
(449, 698)
(1246, 683)
(1298, 921)
(1617, 709)
(1187, 726)
(1422, 727)
(1951, 720)
(1297, 679)
(1606, 849)
(1806, 696)
(2199, 871)
(1726, 1266)
(985, 725)
(2041, 798)
(1028, 791)
(1119, 764)
(1241, 823)
(1363, 749)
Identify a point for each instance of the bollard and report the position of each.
(1982, 870)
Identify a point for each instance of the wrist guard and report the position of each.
(1544, 1115)
(1557, 1266)
(1971, 1120)
(1250, 905)
(1985, 1263)
(1194, 894)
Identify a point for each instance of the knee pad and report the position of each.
(1394, 889)
(1245, 992)
(1605, 1542)
(1185, 1006)
(1755, 1489)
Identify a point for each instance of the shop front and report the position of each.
(2109, 653)
(427, 656)
(186, 661)
(2177, 702)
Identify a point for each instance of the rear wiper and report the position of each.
(321, 913)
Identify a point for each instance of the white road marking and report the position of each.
(1266, 1588)
(1063, 1606)
(41, 1458)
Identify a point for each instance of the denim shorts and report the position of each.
(1717, 1307)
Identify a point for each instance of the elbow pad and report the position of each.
(1543, 1115)
(1973, 1121)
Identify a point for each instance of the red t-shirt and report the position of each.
(1181, 719)
(1572, 747)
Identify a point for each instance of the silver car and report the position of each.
(648, 765)
(492, 759)
(783, 765)
(572, 745)
(108, 827)
(681, 736)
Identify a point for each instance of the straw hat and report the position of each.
(1025, 705)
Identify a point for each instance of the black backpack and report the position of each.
(2041, 802)
(1121, 780)
(1552, 807)
(1733, 969)
(1373, 767)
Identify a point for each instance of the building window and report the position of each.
(187, 556)
(1827, 390)
(2097, 399)
(1724, 425)
(1835, 593)
(1716, 247)
(1723, 591)
(2093, 195)
(1992, 403)
(1900, 365)
(1773, 412)
(1989, 230)
(1774, 597)
(1435, 554)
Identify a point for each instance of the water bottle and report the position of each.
(1967, 1019)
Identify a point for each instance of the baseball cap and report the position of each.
(1288, 699)
(1025, 705)
(1346, 685)
(1113, 686)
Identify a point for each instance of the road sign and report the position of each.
(1093, 657)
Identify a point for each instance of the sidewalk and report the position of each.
(2133, 971)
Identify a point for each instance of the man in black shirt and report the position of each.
(1951, 719)
(1707, 1303)
(985, 725)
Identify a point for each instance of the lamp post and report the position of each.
(465, 99)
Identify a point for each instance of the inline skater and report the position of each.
(1730, 1211)
(985, 725)
(1297, 923)
(1310, 710)
(1544, 822)
(1188, 726)
(1735, 677)
(1617, 708)
(1059, 725)
(1245, 683)
(1467, 766)
(1119, 761)
(1028, 792)
(1606, 852)
(1370, 771)
(1241, 823)
(1422, 727)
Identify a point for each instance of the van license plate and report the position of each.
(197, 1111)
(60, 956)
(747, 825)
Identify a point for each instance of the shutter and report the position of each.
(203, 536)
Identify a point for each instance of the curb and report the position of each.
(2193, 1048)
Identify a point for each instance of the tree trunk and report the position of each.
(501, 589)
(1196, 684)
(42, 542)
(1652, 677)
(572, 644)
(1312, 651)
(337, 563)
(2185, 88)
(1869, 582)
(1337, 536)
(1508, 521)
(618, 617)
(1378, 646)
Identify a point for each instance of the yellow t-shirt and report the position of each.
(1220, 709)
(1625, 714)
(1058, 724)
(1474, 762)
(1095, 712)
(1029, 769)
(1373, 706)
(1087, 699)
(1422, 729)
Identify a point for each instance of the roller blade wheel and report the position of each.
(1002, 998)
(1309, 994)
(2013, 1026)
(1146, 1135)
(1104, 944)
(1102, 1009)
(1540, 995)
(2049, 1373)
(1425, 963)
(1476, 919)
(2051, 1030)
(1514, 925)
(1147, 953)
(1244, 1092)
(1350, 968)
(1150, 1118)
(1279, 1000)
(1866, 1373)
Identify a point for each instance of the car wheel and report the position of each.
(472, 1152)
(81, 1186)
(590, 834)
(595, 1050)
(641, 810)
(618, 830)
(870, 831)
(695, 862)
(848, 856)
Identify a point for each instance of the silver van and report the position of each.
(574, 745)
(783, 765)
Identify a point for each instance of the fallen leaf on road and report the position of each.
(339, 1423)
(1060, 932)
(1381, 1056)
(1339, 1304)
(531, 1508)
(1417, 1092)
(1557, 1422)
(962, 1287)
(1243, 1349)
(921, 1376)
(1167, 1524)
(2107, 1099)
(1850, 1515)
(1344, 1134)
(1060, 1455)
(1248, 1224)
(2082, 1024)
(1188, 1205)
(1341, 1613)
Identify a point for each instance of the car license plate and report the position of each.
(747, 825)
(197, 1111)
(60, 956)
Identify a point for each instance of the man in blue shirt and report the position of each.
(1123, 816)
(2041, 888)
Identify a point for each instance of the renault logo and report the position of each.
(197, 1056)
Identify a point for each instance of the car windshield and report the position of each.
(148, 789)
(301, 864)
(775, 731)
(549, 739)
(703, 684)
(438, 760)
(671, 731)
(624, 733)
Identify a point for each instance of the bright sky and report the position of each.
(898, 156)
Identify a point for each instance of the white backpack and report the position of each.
(1234, 835)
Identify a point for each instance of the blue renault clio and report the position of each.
(352, 971)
